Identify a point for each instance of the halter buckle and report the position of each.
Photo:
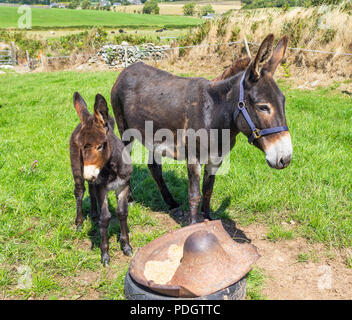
(256, 134)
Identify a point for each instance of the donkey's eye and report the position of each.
(87, 146)
(100, 147)
(264, 108)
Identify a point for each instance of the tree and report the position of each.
(204, 10)
(85, 4)
(73, 4)
(189, 9)
(151, 6)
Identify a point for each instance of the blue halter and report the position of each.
(256, 133)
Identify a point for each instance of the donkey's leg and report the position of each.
(122, 214)
(156, 171)
(93, 202)
(208, 184)
(194, 171)
(104, 220)
(79, 192)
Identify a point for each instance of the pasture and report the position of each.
(66, 18)
(37, 206)
(177, 8)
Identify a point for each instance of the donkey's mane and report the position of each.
(237, 66)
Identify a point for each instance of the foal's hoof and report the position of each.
(176, 212)
(127, 251)
(131, 204)
(105, 259)
(192, 221)
(79, 228)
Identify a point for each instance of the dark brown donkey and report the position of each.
(143, 93)
(236, 66)
(96, 156)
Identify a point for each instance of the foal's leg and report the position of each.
(79, 192)
(93, 202)
(122, 214)
(208, 184)
(194, 171)
(122, 126)
(130, 198)
(104, 220)
(157, 174)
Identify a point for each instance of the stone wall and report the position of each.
(124, 54)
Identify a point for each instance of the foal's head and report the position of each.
(265, 103)
(92, 137)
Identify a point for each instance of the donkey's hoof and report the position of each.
(94, 218)
(131, 204)
(207, 217)
(127, 251)
(177, 212)
(193, 221)
(105, 259)
(79, 228)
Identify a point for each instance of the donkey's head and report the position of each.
(265, 104)
(92, 137)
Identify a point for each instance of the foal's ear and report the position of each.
(80, 107)
(263, 56)
(101, 113)
(278, 55)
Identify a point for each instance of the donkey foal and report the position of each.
(97, 157)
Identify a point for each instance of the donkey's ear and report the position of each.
(101, 113)
(80, 107)
(263, 56)
(278, 55)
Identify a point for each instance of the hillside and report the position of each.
(320, 28)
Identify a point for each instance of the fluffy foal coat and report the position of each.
(97, 157)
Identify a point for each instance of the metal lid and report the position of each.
(211, 260)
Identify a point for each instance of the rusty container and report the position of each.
(211, 261)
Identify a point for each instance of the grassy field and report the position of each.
(37, 206)
(112, 32)
(66, 18)
(177, 8)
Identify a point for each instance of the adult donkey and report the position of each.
(249, 102)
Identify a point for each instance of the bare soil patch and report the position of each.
(326, 277)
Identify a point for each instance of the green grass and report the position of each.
(37, 206)
(277, 232)
(255, 283)
(66, 18)
(349, 262)
(311, 255)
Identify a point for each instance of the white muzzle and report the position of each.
(279, 154)
(90, 173)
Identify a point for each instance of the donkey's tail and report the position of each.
(118, 109)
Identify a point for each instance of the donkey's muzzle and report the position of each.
(90, 173)
(278, 155)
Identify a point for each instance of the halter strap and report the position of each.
(256, 133)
